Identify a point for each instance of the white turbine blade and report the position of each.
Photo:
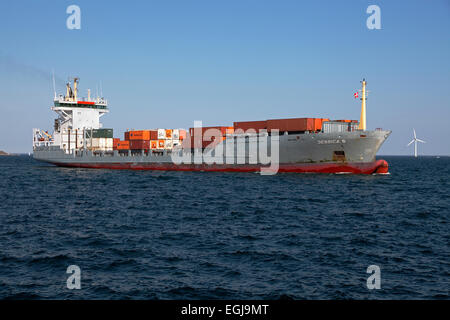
(414, 133)
(420, 140)
(410, 143)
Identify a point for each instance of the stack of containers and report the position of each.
(178, 136)
(208, 139)
(125, 144)
(283, 125)
(168, 143)
(153, 139)
(99, 139)
(161, 139)
(156, 139)
(139, 140)
(73, 139)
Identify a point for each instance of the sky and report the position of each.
(164, 64)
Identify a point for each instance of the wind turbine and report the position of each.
(415, 140)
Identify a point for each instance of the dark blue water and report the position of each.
(181, 235)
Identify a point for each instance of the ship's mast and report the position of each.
(54, 87)
(75, 88)
(362, 120)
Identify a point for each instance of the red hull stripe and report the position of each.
(379, 166)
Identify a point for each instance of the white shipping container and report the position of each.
(109, 143)
(161, 134)
(168, 144)
(102, 143)
(175, 134)
(94, 142)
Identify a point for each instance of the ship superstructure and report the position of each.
(77, 123)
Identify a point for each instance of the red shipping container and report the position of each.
(246, 125)
(215, 134)
(190, 142)
(153, 134)
(139, 144)
(127, 135)
(295, 124)
(223, 130)
(196, 142)
(212, 143)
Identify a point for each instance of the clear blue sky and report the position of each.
(168, 63)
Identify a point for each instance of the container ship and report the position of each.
(318, 145)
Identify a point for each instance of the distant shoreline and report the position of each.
(3, 153)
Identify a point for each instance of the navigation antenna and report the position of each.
(53, 78)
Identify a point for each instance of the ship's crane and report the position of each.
(41, 136)
(49, 136)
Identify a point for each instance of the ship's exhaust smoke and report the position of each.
(9, 65)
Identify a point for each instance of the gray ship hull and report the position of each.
(352, 152)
